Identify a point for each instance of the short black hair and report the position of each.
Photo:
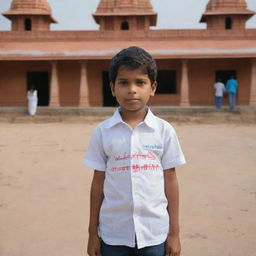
(133, 58)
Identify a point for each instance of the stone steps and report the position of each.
(243, 114)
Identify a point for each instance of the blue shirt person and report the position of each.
(231, 89)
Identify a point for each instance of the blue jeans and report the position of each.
(232, 100)
(117, 250)
(218, 101)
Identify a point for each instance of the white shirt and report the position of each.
(32, 95)
(219, 89)
(133, 161)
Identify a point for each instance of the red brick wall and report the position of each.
(218, 22)
(13, 84)
(114, 23)
(39, 23)
(69, 82)
(202, 79)
(13, 81)
(94, 73)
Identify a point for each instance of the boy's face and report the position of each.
(132, 89)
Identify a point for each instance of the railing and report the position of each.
(126, 35)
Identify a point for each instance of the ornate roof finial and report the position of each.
(30, 7)
(226, 7)
(107, 8)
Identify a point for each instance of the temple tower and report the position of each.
(125, 15)
(226, 14)
(30, 15)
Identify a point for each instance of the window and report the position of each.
(124, 25)
(166, 80)
(27, 25)
(228, 23)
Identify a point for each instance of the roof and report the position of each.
(125, 8)
(30, 7)
(95, 49)
(226, 7)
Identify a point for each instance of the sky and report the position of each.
(172, 14)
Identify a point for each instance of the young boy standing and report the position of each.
(134, 201)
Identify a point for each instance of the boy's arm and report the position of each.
(96, 198)
(173, 246)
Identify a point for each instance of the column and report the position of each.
(54, 90)
(133, 24)
(147, 23)
(84, 88)
(184, 88)
(117, 23)
(252, 101)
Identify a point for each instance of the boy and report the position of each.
(134, 201)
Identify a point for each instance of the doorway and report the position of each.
(166, 82)
(224, 75)
(108, 99)
(40, 82)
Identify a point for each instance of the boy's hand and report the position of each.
(93, 248)
(173, 247)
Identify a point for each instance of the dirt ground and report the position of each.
(44, 189)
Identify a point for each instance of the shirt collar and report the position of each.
(150, 119)
(114, 120)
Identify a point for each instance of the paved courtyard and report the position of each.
(44, 189)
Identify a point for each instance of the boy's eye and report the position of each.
(141, 82)
(122, 82)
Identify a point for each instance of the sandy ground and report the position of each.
(44, 193)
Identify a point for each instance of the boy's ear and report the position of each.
(153, 89)
(112, 86)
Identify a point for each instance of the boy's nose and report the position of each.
(132, 89)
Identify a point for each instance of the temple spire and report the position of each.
(125, 15)
(226, 14)
(30, 15)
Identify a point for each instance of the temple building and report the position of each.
(70, 68)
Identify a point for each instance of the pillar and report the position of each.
(184, 88)
(84, 88)
(117, 23)
(54, 90)
(252, 101)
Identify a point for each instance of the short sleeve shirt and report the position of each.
(134, 161)
(231, 86)
(219, 89)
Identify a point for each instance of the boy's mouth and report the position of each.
(133, 99)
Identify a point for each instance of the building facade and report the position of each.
(70, 68)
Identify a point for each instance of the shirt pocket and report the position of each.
(114, 147)
(152, 143)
